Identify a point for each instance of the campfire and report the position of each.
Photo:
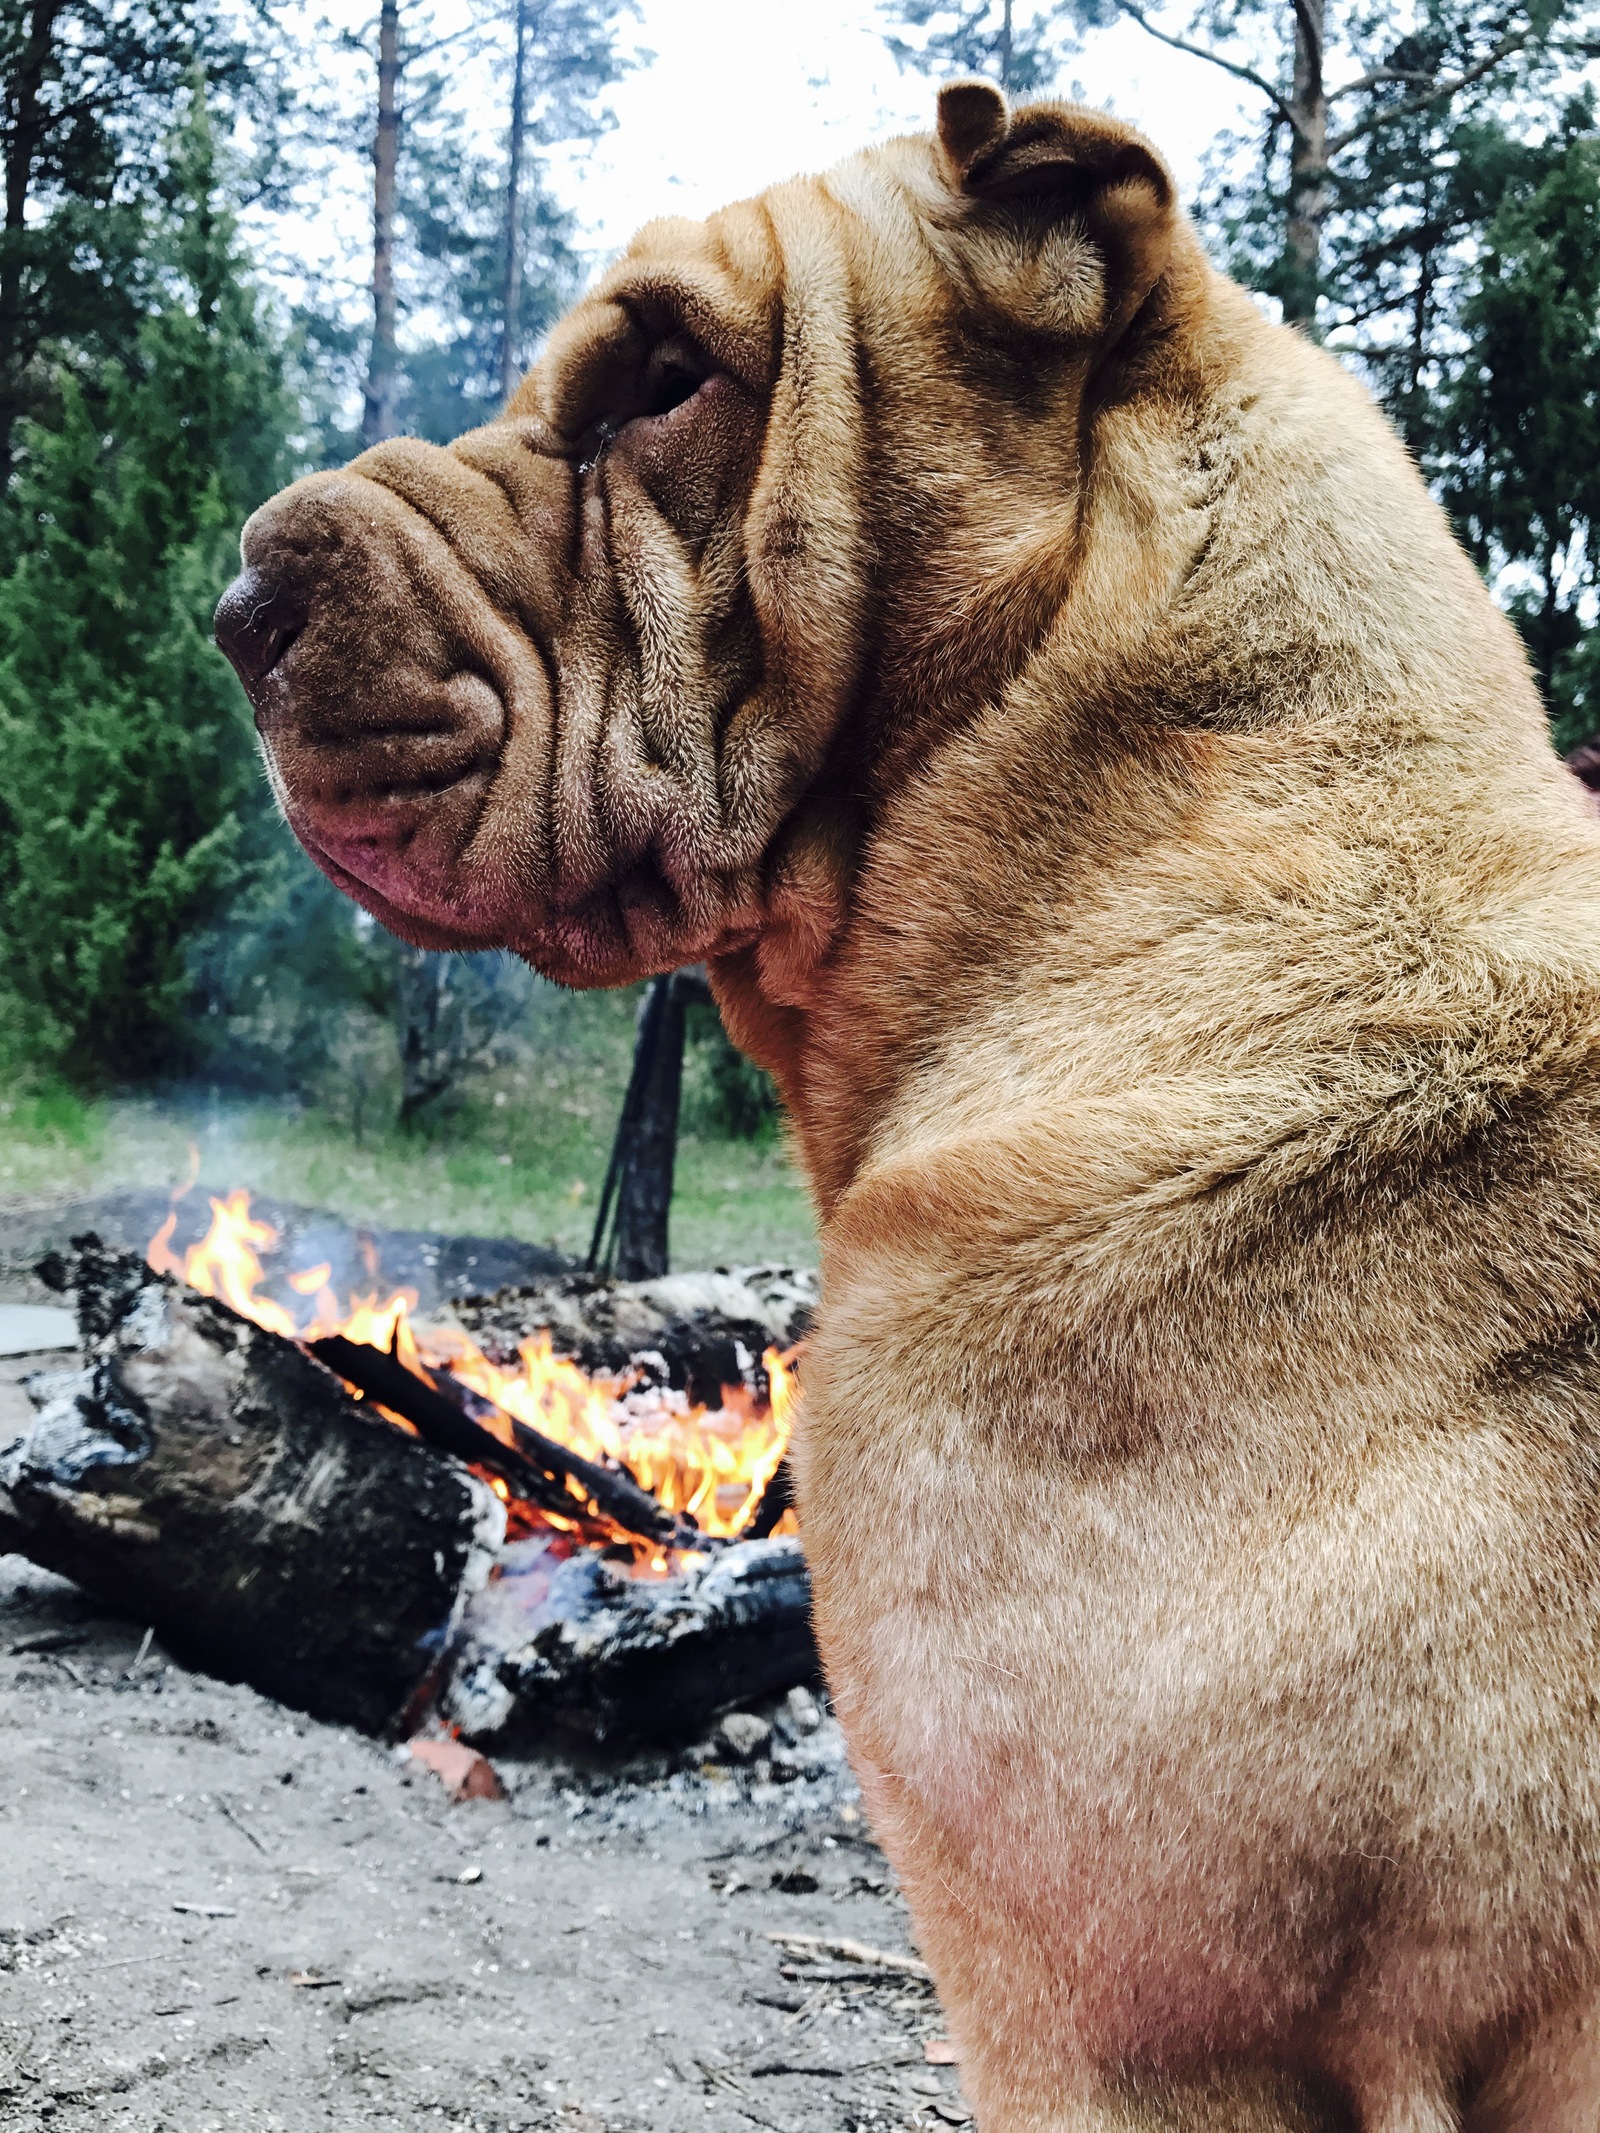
(709, 1468)
(388, 1519)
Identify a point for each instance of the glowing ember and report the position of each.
(711, 1463)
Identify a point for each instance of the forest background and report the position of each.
(1416, 182)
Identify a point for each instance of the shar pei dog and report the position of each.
(1110, 804)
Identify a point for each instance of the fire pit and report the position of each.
(559, 1509)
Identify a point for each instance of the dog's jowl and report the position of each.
(1107, 800)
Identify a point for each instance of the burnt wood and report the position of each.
(631, 1224)
(581, 1647)
(536, 1469)
(213, 1480)
(219, 1483)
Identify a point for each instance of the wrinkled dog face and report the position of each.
(573, 685)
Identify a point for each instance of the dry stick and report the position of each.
(537, 1466)
(854, 1951)
(243, 1828)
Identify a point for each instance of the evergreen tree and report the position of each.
(452, 212)
(1020, 48)
(126, 755)
(468, 237)
(87, 91)
(1514, 434)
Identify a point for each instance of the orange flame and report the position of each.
(711, 1463)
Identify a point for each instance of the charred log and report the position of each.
(219, 1483)
(537, 1469)
(211, 1479)
(579, 1646)
(776, 1498)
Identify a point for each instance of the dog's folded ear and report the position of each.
(1063, 167)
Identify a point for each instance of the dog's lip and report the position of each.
(409, 923)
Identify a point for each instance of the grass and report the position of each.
(520, 1152)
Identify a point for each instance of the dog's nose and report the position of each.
(256, 622)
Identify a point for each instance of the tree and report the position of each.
(126, 756)
(1020, 49)
(476, 228)
(87, 90)
(1515, 432)
(1332, 92)
(377, 414)
(452, 208)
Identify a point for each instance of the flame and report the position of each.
(712, 1464)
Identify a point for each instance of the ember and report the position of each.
(709, 1466)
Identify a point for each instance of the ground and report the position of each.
(218, 1914)
(520, 1151)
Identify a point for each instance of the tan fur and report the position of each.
(1118, 815)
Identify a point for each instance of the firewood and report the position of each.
(536, 1469)
(218, 1483)
(581, 1646)
(211, 1479)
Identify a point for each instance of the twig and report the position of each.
(243, 1828)
(855, 1951)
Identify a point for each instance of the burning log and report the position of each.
(208, 1477)
(533, 1464)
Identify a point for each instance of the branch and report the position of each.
(1440, 93)
(1375, 80)
(1310, 30)
(1275, 97)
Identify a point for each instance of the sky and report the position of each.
(743, 92)
(735, 95)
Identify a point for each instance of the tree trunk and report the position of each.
(25, 123)
(644, 1192)
(511, 288)
(428, 1062)
(1308, 169)
(1005, 49)
(636, 1199)
(378, 411)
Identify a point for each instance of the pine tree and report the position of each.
(1515, 431)
(87, 90)
(126, 756)
(468, 233)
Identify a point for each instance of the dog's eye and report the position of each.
(673, 383)
(672, 376)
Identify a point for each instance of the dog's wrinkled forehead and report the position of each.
(685, 299)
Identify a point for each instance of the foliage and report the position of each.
(723, 1092)
(126, 757)
(452, 224)
(1515, 429)
(88, 90)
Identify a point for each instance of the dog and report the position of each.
(1110, 804)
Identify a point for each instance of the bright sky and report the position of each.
(739, 93)
(742, 92)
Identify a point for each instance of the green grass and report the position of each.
(520, 1152)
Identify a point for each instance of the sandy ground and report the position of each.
(215, 1913)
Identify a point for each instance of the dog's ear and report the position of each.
(1064, 165)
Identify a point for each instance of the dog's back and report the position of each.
(1212, 1082)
